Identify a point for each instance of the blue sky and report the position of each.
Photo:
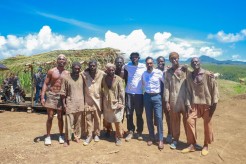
(191, 28)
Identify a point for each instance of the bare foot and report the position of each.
(76, 139)
(66, 144)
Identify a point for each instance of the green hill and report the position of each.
(17, 65)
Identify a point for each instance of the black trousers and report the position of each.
(134, 102)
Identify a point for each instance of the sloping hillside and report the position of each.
(48, 60)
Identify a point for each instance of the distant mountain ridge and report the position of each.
(207, 59)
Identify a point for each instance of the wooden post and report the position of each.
(32, 90)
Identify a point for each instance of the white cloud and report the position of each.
(162, 43)
(235, 57)
(221, 36)
(135, 41)
(210, 51)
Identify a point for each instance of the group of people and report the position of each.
(11, 89)
(175, 91)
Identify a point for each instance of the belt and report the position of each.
(152, 93)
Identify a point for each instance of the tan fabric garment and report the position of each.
(197, 112)
(205, 92)
(73, 90)
(72, 125)
(201, 96)
(167, 116)
(175, 119)
(112, 97)
(175, 89)
(93, 101)
(53, 100)
(174, 93)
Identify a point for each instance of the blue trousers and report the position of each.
(37, 95)
(153, 106)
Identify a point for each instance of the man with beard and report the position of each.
(152, 100)
(52, 84)
(202, 98)
(161, 66)
(134, 95)
(175, 85)
(73, 101)
(93, 100)
(119, 71)
(113, 100)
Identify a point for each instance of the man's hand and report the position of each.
(211, 74)
(184, 68)
(168, 106)
(65, 108)
(42, 101)
(120, 106)
(212, 109)
(189, 110)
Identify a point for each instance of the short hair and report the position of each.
(159, 57)
(108, 65)
(61, 55)
(148, 59)
(119, 57)
(76, 64)
(92, 61)
(135, 53)
(195, 58)
(173, 54)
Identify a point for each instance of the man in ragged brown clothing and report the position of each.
(72, 94)
(113, 100)
(119, 71)
(201, 100)
(174, 96)
(93, 100)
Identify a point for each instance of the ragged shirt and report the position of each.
(74, 92)
(112, 98)
(93, 90)
(205, 92)
(174, 91)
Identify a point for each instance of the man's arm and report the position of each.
(162, 78)
(188, 98)
(125, 76)
(63, 93)
(166, 92)
(121, 95)
(214, 95)
(45, 86)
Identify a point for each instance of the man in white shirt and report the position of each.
(152, 100)
(134, 95)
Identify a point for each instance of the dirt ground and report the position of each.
(22, 141)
